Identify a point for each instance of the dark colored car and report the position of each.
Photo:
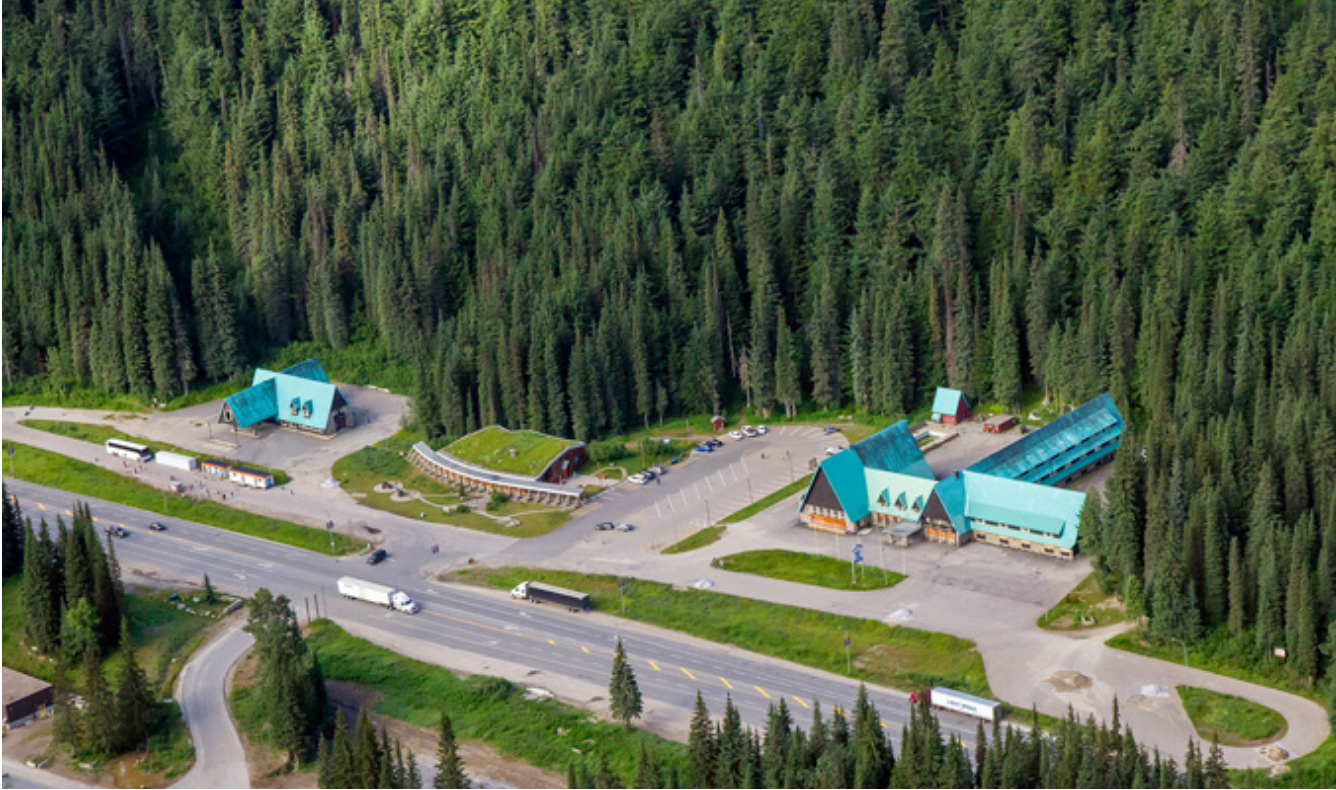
(603, 526)
(376, 557)
(831, 429)
(118, 532)
(704, 448)
(157, 526)
(714, 443)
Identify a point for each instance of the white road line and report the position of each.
(722, 481)
(707, 484)
(669, 500)
(657, 512)
(734, 470)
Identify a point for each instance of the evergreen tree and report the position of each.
(98, 726)
(41, 591)
(135, 704)
(210, 596)
(367, 757)
(14, 533)
(702, 747)
(624, 696)
(449, 768)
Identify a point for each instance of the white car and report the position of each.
(761, 429)
(638, 479)
(623, 527)
(750, 431)
(736, 435)
(831, 450)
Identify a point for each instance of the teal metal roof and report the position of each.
(951, 493)
(947, 401)
(893, 449)
(844, 472)
(1025, 511)
(1055, 451)
(254, 404)
(301, 395)
(895, 494)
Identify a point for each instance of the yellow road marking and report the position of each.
(799, 700)
(94, 518)
(884, 726)
(763, 694)
(726, 683)
(68, 513)
(551, 642)
(656, 666)
(687, 672)
(40, 506)
(584, 648)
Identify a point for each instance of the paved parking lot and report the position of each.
(700, 490)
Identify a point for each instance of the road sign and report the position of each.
(858, 553)
(846, 640)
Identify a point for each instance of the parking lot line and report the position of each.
(722, 481)
(734, 471)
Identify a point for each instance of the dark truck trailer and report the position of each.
(546, 593)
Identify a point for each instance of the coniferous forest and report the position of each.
(581, 215)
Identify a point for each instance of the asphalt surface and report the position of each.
(220, 760)
(670, 667)
(18, 775)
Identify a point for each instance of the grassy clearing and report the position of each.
(1234, 720)
(544, 733)
(768, 501)
(58, 471)
(1315, 769)
(1086, 606)
(99, 434)
(818, 569)
(897, 656)
(1224, 654)
(45, 392)
(696, 540)
(362, 471)
(491, 447)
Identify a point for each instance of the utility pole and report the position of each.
(708, 522)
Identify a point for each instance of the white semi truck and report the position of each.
(960, 702)
(378, 594)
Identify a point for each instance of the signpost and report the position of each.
(848, 661)
(853, 562)
(621, 591)
(329, 527)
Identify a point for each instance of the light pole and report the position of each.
(1185, 649)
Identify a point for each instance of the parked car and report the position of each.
(748, 430)
(376, 557)
(624, 527)
(157, 526)
(716, 443)
(736, 436)
(761, 429)
(660, 469)
(703, 448)
(118, 532)
(831, 450)
(638, 478)
(831, 429)
(603, 526)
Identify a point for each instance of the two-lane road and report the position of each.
(220, 760)
(670, 667)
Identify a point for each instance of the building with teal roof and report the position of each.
(950, 406)
(299, 397)
(1005, 512)
(1067, 448)
(882, 481)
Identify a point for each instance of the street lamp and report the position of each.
(1185, 649)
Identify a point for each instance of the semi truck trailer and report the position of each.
(959, 702)
(546, 593)
(378, 594)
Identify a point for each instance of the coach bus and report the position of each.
(124, 449)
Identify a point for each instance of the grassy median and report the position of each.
(1234, 720)
(897, 656)
(768, 501)
(542, 732)
(90, 480)
(696, 540)
(817, 569)
(1084, 607)
(99, 434)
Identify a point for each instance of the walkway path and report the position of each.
(220, 760)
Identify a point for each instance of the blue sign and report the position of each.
(858, 553)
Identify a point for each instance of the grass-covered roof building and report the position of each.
(299, 397)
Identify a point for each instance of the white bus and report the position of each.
(124, 449)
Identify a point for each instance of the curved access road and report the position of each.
(220, 761)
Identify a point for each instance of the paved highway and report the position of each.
(670, 667)
(220, 760)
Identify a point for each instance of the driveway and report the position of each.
(220, 760)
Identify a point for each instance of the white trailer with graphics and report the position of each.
(968, 704)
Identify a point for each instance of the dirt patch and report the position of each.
(1067, 680)
(1142, 701)
(484, 764)
(1274, 753)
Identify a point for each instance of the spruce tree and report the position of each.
(210, 597)
(13, 534)
(135, 704)
(366, 751)
(99, 726)
(42, 594)
(449, 768)
(702, 749)
(624, 696)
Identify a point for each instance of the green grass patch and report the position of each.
(696, 540)
(544, 732)
(817, 569)
(534, 520)
(362, 471)
(768, 501)
(1234, 720)
(42, 391)
(99, 434)
(1086, 606)
(1317, 769)
(896, 656)
(90, 480)
(492, 446)
(1234, 656)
